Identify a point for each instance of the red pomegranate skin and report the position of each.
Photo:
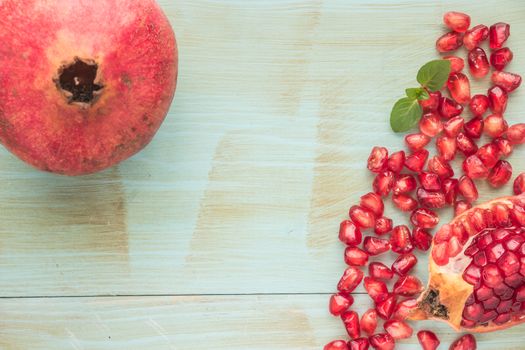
(50, 125)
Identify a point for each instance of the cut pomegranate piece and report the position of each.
(439, 166)
(516, 134)
(474, 36)
(489, 155)
(373, 202)
(405, 183)
(408, 286)
(383, 226)
(519, 184)
(450, 190)
(457, 21)
(474, 168)
(382, 341)
(369, 321)
(424, 218)
(404, 263)
(354, 256)
(467, 189)
(454, 125)
(349, 233)
(358, 344)
(504, 146)
(459, 87)
(431, 199)
(446, 147)
(380, 271)
(376, 246)
(430, 124)
(350, 280)
(508, 81)
(351, 322)
(449, 42)
(456, 63)
(461, 206)
(339, 303)
(377, 160)
(376, 289)
(479, 104)
(430, 181)
(474, 127)
(398, 329)
(336, 345)
(478, 62)
(416, 142)
(401, 240)
(416, 161)
(383, 183)
(466, 342)
(500, 174)
(498, 98)
(500, 58)
(495, 125)
(362, 217)
(498, 34)
(449, 108)
(385, 307)
(432, 103)
(396, 162)
(404, 202)
(466, 145)
(422, 239)
(404, 309)
(428, 340)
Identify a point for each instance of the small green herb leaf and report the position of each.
(417, 93)
(405, 114)
(434, 74)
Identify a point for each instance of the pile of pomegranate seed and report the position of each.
(420, 183)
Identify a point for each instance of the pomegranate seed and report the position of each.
(350, 280)
(501, 217)
(416, 161)
(432, 103)
(472, 275)
(351, 322)
(404, 263)
(430, 181)
(373, 202)
(383, 226)
(474, 168)
(474, 36)
(500, 174)
(498, 34)
(454, 125)
(380, 271)
(449, 108)
(456, 63)
(439, 166)
(431, 199)
(489, 155)
(404, 309)
(430, 124)
(422, 239)
(478, 62)
(504, 146)
(385, 308)
(497, 99)
(401, 240)
(457, 21)
(396, 162)
(446, 147)
(349, 233)
(495, 125)
(382, 341)
(355, 256)
(383, 183)
(465, 144)
(408, 286)
(339, 303)
(398, 329)
(375, 246)
(428, 340)
(404, 202)
(362, 217)
(376, 289)
(369, 321)
(405, 183)
(516, 134)
(424, 218)
(439, 254)
(519, 184)
(336, 345)
(474, 127)
(449, 42)
(508, 81)
(467, 189)
(358, 344)
(416, 142)
(461, 206)
(450, 190)
(377, 160)
(478, 105)
(500, 58)
(466, 342)
(459, 87)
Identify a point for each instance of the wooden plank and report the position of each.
(263, 152)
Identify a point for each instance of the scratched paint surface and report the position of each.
(231, 214)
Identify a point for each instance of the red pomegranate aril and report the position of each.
(517, 214)
(431, 199)
(385, 307)
(383, 183)
(396, 162)
(428, 340)
(439, 166)
(349, 233)
(424, 218)
(378, 159)
(453, 126)
(362, 217)
(479, 104)
(430, 181)
(408, 286)
(376, 289)
(478, 62)
(404, 263)
(461, 206)
(466, 145)
(404, 202)
(516, 134)
(498, 34)
(457, 21)
(449, 108)
(398, 329)
(474, 36)
(446, 147)
(489, 155)
(509, 263)
(380, 271)
(405, 183)
(501, 57)
(339, 303)
(519, 184)
(373, 202)
(501, 319)
(351, 322)
(508, 81)
(467, 189)
(456, 63)
(472, 275)
(416, 161)
(504, 146)
(416, 142)
(450, 190)
(491, 276)
(421, 238)
(498, 98)
(376, 246)
(401, 240)
(369, 321)
(439, 254)
(383, 226)
(465, 342)
(432, 103)
(382, 341)
(500, 174)
(351, 278)
(495, 125)
(358, 344)
(501, 215)
(336, 345)
(404, 309)
(459, 87)
(474, 168)
(430, 124)
(449, 42)
(355, 256)
(474, 127)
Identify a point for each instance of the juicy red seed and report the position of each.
(474, 36)
(449, 108)
(456, 63)
(431, 199)
(466, 145)
(472, 274)
(466, 342)
(376, 289)
(416, 161)
(453, 126)
(459, 87)
(478, 62)
(351, 322)
(424, 218)
(516, 134)
(428, 340)
(519, 184)
(380, 271)
(421, 238)
(500, 174)
(432, 103)
(383, 225)
(498, 98)
(474, 168)
(508, 81)
(450, 190)
(474, 127)
(401, 240)
(350, 280)
(449, 42)
(504, 146)
(495, 125)
(375, 246)
(404, 263)
(373, 202)
(446, 147)
(408, 286)
(430, 181)
(461, 206)
(479, 104)
(439, 166)
(359, 344)
(355, 256)
(457, 21)
(498, 34)
(467, 189)
(416, 142)
(500, 58)
(362, 217)
(501, 215)
(491, 276)
(404, 202)
(385, 307)
(430, 124)
(336, 345)
(403, 310)
(398, 329)
(439, 254)
(382, 341)
(405, 183)
(369, 321)
(339, 303)
(383, 183)
(377, 160)
(396, 162)
(509, 263)
(349, 233)
(489, 155)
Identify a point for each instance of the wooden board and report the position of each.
(241, 192)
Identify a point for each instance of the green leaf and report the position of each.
(434, 74)
(424, 95)
(405, 114)
(417, 93)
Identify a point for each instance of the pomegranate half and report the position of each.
(477, 269)
(85, 84)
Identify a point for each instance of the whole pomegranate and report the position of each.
(85, 84)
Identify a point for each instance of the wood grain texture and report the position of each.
(242, 190)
